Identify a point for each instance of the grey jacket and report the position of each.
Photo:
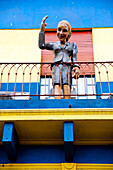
(67, 53)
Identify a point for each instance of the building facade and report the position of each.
(36, 130)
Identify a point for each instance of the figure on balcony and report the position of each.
(65, 53)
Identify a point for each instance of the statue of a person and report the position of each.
(65, 52)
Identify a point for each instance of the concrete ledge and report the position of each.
(63, 103)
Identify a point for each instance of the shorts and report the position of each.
(61, 74)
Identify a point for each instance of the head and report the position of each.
(64, 31)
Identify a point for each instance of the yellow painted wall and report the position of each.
(19, 46)
(103, 51)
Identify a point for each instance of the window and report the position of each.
(81, 87)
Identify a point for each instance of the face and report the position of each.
(62, 32)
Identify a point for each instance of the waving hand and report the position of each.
(43, 24)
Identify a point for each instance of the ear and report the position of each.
(69, 35)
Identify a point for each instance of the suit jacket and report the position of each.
(67, 53)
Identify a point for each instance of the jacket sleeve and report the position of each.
(42, 44)
(74, 57)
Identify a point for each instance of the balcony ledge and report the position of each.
(52, 104)
(45, 126)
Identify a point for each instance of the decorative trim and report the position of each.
(62, 166)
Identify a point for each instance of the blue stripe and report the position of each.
(55, 154)
(105, 87)
(64, 103)
(33, 88)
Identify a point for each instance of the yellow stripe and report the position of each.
(56, 114)
(62, 166)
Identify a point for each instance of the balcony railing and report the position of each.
(29, 80)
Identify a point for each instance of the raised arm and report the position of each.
(42, 44)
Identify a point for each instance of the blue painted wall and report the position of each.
(55, 154)
(33, 88)
(81, 14)
(105, 88)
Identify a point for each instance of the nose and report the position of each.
(61, 32)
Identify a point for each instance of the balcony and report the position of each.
(32, 80)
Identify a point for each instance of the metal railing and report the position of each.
(23, 80)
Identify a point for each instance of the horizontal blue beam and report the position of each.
(101, 154)
(10, 141)
(68, 141)
(45, 104)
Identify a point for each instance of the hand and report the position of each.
(76, 73)
(43, 24)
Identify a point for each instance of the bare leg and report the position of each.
(66, 91)
(57, 89)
